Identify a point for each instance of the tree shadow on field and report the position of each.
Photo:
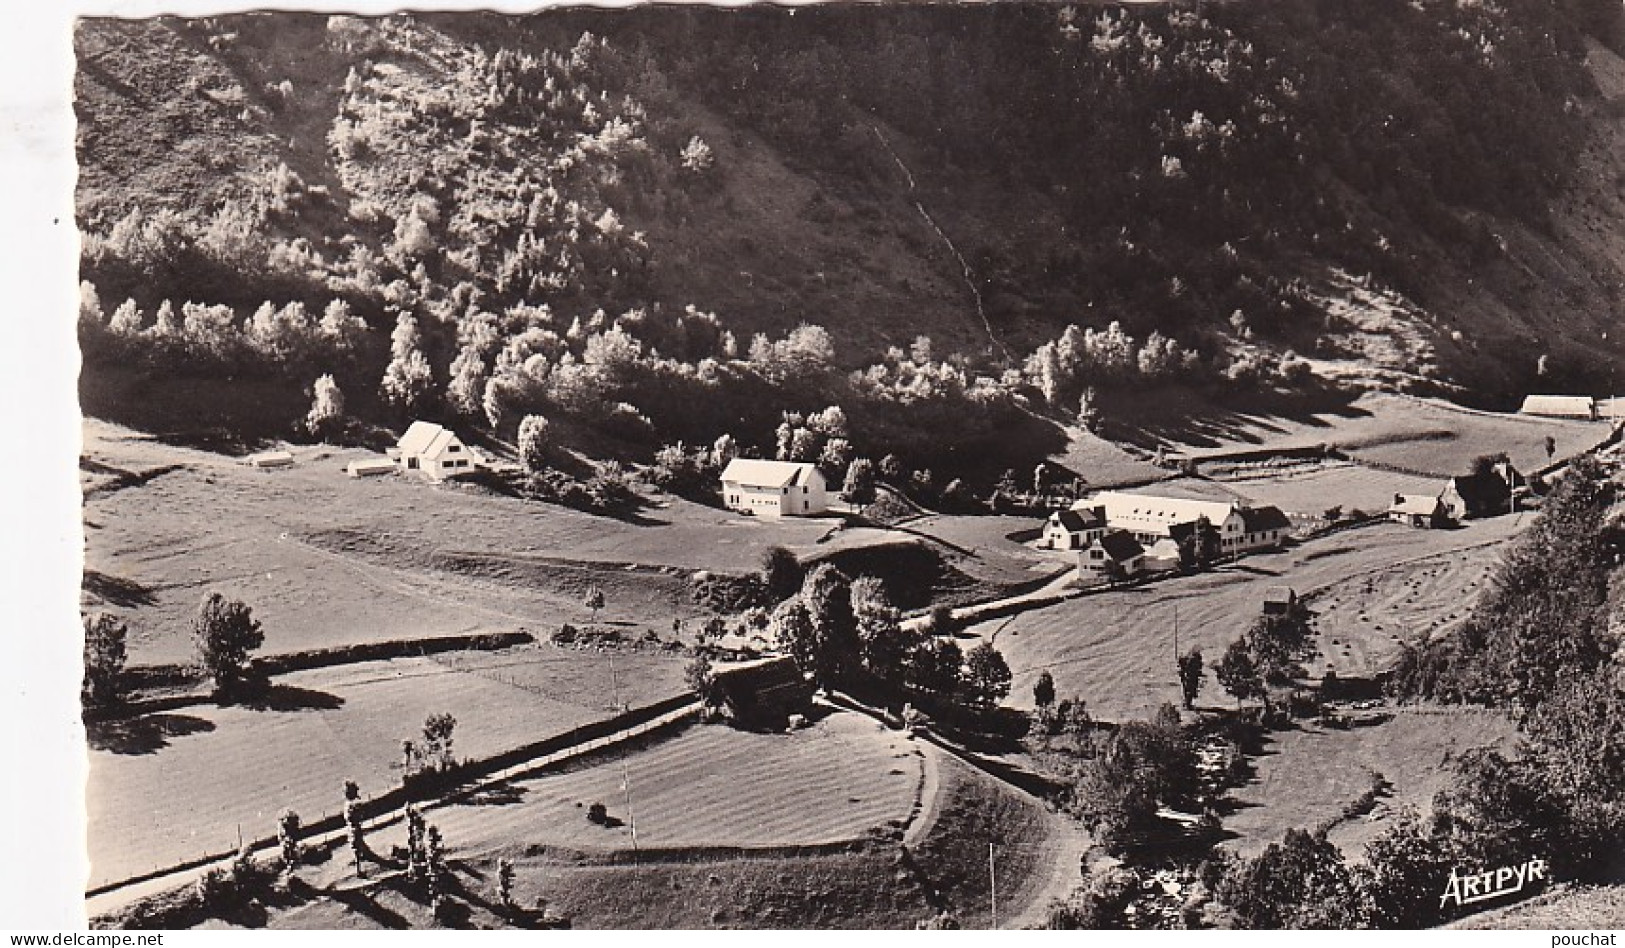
(368, 907)
(498, 794)
(290, 698)
(142, 735)
(116, 590)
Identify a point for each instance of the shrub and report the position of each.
(598, 813)
(533, 442)
(104, 661)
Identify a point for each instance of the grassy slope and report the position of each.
(1115, 649)
(1567, 908)
(866, 885)
(175, 785)
(708, 786)
(1307, 775)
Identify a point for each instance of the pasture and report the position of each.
(1116, 648)
(1421, 435)
(325, 560)
(1308, 776)
(171, 786)
(708, 786)
(1309, 490)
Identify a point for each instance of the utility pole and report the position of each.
(992, 887)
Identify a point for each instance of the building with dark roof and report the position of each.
(1115, 555)
(763, 693)
(1263, 528)
(1073, 529)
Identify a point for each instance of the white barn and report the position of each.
(773, 488)
(433, 450)
(1560, 406)
(1151, 518)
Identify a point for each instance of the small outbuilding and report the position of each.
(1418, 510)
(763, 693)
(1560, 406)
(435, 451)
(371, 467)
(268, 460)
(1280, 600)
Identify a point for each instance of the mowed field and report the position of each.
(952, 813)
(1309, 776)
(1116, 648)
(325, 560)
(708, 786)
(1310, 490)
(171, 786)
(1418, 434)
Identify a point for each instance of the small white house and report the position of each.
(267, 460)
(435, 451)
(1073, 529)
(1117, 555)
(773, 488)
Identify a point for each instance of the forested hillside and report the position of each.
(664, 224)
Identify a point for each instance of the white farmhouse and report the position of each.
(773, 488)
(434, 450)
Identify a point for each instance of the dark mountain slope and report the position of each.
(1422, 195)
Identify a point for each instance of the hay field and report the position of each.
(709, 786)
(1116, 648)
(171, 786)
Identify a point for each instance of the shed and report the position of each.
(1279, 600)
(270, 459)
(371, 467)
(1418, 510)
(765, 692)
(1560, 406)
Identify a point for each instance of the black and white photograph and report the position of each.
(995, 466)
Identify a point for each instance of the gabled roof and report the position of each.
(1417, 504)
(1120, 545)
(759, 473)
(419, 437)
(1480, 490)
(1284, 595)
(1078, 520)
(1258, 519)
(1583, 406)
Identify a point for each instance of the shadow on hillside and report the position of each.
(144, 735)
(116, 590)
(291, 698)
(368, 907)
(1191, 419)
